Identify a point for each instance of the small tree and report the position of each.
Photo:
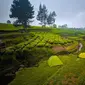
(54, 26)
(65, 26)
(51, 18)
(22, 11)
(42, 15)
(8, 22)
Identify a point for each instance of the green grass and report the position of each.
(68, 32)
(39, 42)
(73, 69)
(58, 75)
(35, 75)
(44, 74)
(72, 47)
(8, 27)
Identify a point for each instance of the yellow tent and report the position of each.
(82, 55)
(54, 61)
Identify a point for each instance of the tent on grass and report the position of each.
(82, 55)
(54, 61)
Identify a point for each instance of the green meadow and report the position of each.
(25, 55)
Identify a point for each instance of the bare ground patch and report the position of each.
(58, 48)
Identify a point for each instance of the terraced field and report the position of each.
(25, 57)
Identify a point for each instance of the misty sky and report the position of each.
(71, 12)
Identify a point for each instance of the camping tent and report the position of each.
(82, 55)
(54, 61)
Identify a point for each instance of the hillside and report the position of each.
(8, 27)
(24, 56)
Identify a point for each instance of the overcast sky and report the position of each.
(71, 12)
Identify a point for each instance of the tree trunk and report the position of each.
(25, 26)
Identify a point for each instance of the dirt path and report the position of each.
(62, 48)
(58, 48)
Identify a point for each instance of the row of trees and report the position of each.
(44, 17)
(63, 26)
(23, 12)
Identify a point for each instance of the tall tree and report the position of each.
(42, 15)
(22, 11)
(51, 18)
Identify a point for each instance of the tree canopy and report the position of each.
(22, 11)
(42, 15)
(8, 22)
(51, 18)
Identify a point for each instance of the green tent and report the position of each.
(54, 61)
(82, 55)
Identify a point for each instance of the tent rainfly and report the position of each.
(54, 61)
(82, 55)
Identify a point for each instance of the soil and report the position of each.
(58, 48)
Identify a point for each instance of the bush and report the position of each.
(54, 26)
(8, 22)
(32, 34)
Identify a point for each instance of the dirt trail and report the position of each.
(62, 48)
(58, 48)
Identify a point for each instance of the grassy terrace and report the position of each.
(8, 27)
(33, 48)
(44, 75)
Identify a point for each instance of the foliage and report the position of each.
(8, 27)
(54, 26)
(63, 26)
(22, 11)
(51, 18)
(72, 47)
(35, 50)
(8, 22)
(42, 15)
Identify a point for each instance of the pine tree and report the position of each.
(22, 11)
(42, 15)
(51, 18)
